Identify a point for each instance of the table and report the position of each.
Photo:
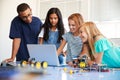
(56, 73)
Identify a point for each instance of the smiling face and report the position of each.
(53, 19)
(83, 35)
(72, 26)
(26, 15)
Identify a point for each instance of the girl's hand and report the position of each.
(65, 53)
(90, 62)
(70, 63)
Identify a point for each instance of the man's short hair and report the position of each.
(22, 7)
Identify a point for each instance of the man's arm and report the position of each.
(15, 47)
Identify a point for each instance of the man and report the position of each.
(24, 30)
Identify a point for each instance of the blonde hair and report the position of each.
(92, 31)
(77, 17)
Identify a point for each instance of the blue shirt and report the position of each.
(53, 37)
(28, 33)
(74, 46)
(111, 54)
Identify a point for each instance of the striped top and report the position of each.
(74, 46)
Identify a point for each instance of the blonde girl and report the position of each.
(101, 49)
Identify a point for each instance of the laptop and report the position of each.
(44, 53)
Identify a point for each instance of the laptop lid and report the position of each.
(44, 53)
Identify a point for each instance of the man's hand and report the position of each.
(9, 60)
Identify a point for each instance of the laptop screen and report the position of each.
(44, 53)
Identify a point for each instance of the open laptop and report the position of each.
(44, 53)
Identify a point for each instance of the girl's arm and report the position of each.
(97, 56)
(40, 40)
(85, 50)
(60, 49)
(41, 36)
(98, 59)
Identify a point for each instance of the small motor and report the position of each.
(83, 61)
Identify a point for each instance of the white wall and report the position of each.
(107, 15)
(7, 13)
(110, 29)
(105, 10)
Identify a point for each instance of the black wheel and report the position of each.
(23, 63)
(44, 64)
(38, 65)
